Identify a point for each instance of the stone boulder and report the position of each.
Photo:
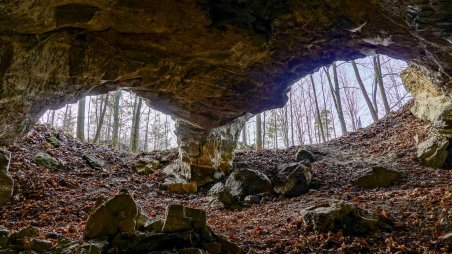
(94, 161)
(304, 155)
(341, 216)
(295, 180)
(53, 141)
(183, 188)
(145, 165)
(46, 160)
(433, 151)
(243, 182)
(377, 177)
(4, 237)
(223, 195)
(181, 218)
(6, 181)
(119, 214)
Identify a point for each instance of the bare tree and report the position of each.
(373, 113)
(101, 119)
(319, 119)
(258, 132)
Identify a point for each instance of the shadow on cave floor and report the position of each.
(60, 201)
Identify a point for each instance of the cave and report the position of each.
(212, 65)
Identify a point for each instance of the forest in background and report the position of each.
(336, 99)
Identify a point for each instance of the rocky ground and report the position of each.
(417, 207)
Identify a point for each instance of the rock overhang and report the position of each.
(204, 62)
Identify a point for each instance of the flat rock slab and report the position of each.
(340, 216)
(377, 177)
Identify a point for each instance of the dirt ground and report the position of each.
(418, 206)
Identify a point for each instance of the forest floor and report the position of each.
(419, 205)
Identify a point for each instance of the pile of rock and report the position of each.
(120, 225)
(26, 240)
(244, 187)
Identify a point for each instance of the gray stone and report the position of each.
(145, 165)
(45, 160)
(116, 215)
(94, 161)
(67, 246)
(27, 232)
(340, 215)
(142, 219)
(252, 199)
(53, 141)
(40, 246)
(245, 182)
(377, 177)
(433, 151)
(6, 181)
(223, 195)
(4, 237)
(154, 226)
(305, 155)
(97, 246)
(295, 180)
(180, 218)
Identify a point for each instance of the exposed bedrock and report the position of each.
(204, 62)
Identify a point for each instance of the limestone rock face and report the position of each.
(431, 102)
(207, 63)
(6, 181)
(433, 151)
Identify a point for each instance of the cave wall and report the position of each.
(205, 62)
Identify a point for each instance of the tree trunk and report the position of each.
(364, 92)
(258, 132)
(80, 134)
(316, 103)
(308, 121)
(335, 93)
(379, 76)
(135, 137)
(146, 134)
(115, 135)
(101, 120)
(244, 136)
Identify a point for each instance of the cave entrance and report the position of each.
(336, 99)
(119, 119)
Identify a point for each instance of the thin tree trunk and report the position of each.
(319, 119)
(244, 138)
(335, 93)
(378, 74)
(276, 130)
(258, 132)
(88, 124)
(364, 92)
(115, 136)
(101, 121)
(80, 134)
(308, 121)
(135, 137)
(146, 134)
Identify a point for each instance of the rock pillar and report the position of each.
(433, 103)
(205, 155)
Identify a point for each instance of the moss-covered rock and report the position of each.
(46, 160)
